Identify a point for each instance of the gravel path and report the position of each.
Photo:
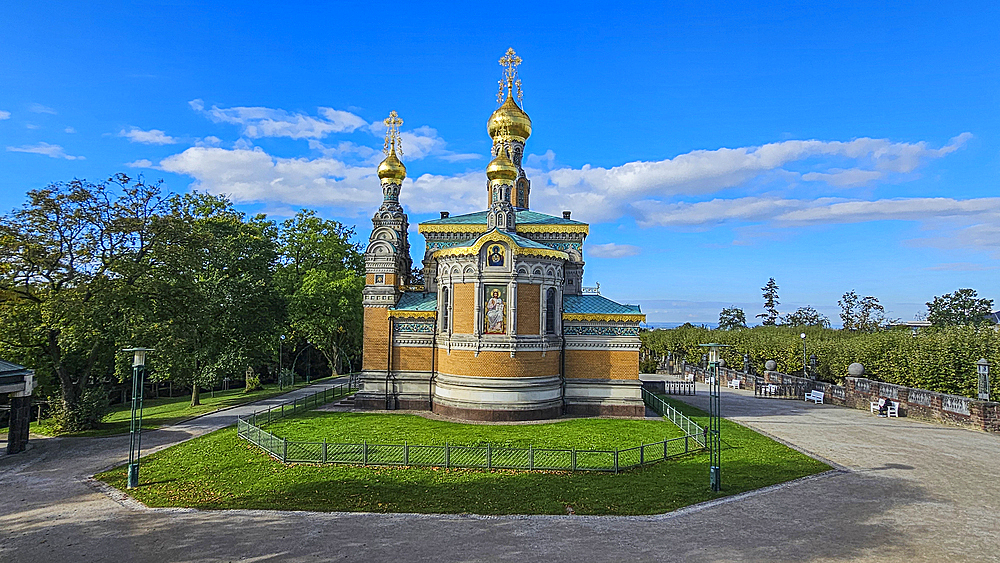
(903, 491)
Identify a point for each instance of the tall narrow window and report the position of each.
(550, 311)
(444, 309)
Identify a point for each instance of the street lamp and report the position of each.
(803, 337)
(135, 427)
(281, 340)
(715, 416)
(983, 367)
(813, 360)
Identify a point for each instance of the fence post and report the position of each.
(364, 453)
(616, 460)
(406, 454)
(664, 448)
(642, 454)
(489, 456)
(574, 459)
(531, 458)
(447, 456)
(324, 450)
(284, 450)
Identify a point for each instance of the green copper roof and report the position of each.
(524, 216)
(597, 304)
(417, 301)
(518, 239)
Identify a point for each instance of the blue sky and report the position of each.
(710, 145)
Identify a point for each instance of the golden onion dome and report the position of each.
(392, 169)
(501, 168)
(509, 114)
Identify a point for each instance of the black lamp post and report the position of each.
(135, 427)
(812, 366)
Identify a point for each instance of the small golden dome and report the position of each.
(391, 169)
(501, 168)
(518, 122)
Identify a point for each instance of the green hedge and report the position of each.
(942, 360)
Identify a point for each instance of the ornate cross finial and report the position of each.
(392, 140)
(509, 62)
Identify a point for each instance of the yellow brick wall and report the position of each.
(463, 308)
(602, 364)
(500, 364)
(407, 358)
(390, 279)
(376, 341)
(528, 296)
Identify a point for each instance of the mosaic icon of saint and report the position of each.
(495, 257)
(495, 313)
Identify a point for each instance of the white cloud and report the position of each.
(845, 178)
(612, 250)
(251, 175)
(257, 122)
(141, 163)
(53, 151)
(210, 141)
(606, 192)
(151, 137)
(69, 130)
(4, 115)
(797, 212)
(39, 108)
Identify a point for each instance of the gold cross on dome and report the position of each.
(392, 140)
(509, 62)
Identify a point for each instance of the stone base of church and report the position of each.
(499, 399)
(604, 397)
(406, 390)
(494, 415)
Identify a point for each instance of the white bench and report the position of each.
(893, 411)
(735, 384)
(815, 396)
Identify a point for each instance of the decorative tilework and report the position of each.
(565, 246)
(601, 331)
(426, 328)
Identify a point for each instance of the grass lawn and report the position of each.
(579, 433)
(168, 410)
(219, 470)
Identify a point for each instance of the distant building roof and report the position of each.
(911, 324)
(8, 368)
(585, 304)
(994, 317)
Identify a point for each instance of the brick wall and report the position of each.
(376, 340)
(463, 308)
(409, 358)
(498, 364)
(528, 296)
(602, 364)
(390, 279)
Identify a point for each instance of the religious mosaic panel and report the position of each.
(495, 255)
(495, 312)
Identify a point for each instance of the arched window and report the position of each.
(550, 311)
(444, 309)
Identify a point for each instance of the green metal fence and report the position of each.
(688, 426)
(479, 457)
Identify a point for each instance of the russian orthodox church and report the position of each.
(502, 328)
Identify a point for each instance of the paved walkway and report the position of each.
(908, 491)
